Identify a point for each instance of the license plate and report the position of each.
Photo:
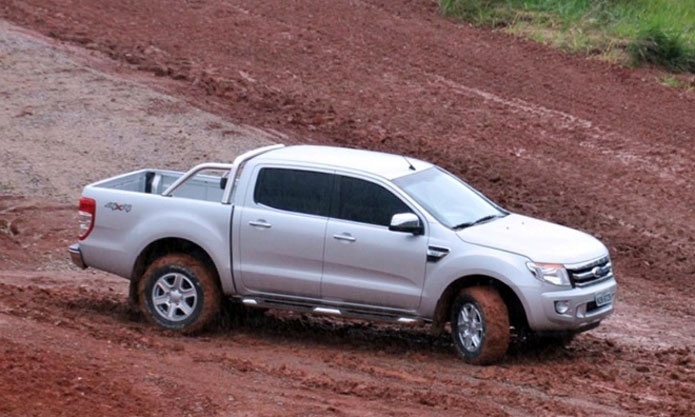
(604, 298)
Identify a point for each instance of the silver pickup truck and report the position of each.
(343, 232)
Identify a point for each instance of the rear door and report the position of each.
(282, 229)
(365, 262)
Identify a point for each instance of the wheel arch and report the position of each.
(164, 246)
(515, 308)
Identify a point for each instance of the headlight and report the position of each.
(555, 274)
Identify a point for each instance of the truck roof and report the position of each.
(389, 166)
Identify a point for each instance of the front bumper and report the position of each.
(584, 312)
(76, 255)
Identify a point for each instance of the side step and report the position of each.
(325, 310)
(347, 312)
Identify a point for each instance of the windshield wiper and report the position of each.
(480, 220)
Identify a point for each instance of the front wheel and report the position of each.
(179, 292)
(480, 325)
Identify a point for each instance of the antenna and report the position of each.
(410, 166)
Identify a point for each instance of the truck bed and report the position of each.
(153, 181)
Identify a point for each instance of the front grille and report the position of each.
(590, 273)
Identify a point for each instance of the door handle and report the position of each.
(345, 237)
(260, 223)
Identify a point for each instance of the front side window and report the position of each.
(294, 190)
(366, 202)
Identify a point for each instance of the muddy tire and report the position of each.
(179, 292)
(480, 325)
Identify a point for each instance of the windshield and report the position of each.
(448, 199)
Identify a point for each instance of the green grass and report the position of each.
(672, 81)
(660, 32)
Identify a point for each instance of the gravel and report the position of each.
(64, 125)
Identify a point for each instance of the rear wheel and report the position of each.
(480, 325)
(179, 292)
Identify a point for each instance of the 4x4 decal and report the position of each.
(119, 207)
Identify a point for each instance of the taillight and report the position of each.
(88, 209)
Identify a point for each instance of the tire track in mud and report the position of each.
(602, 377)
(567, 122)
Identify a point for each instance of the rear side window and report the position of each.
(294, 190)
(366, 202)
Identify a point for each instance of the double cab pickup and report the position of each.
(343, 232)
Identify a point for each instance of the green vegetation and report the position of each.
(671, 81)
(660, 32)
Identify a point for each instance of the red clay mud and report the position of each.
(594, 146)
(590, 145)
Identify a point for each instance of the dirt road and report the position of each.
(71, 345)
(596, 147)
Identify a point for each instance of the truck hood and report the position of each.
(535, 239)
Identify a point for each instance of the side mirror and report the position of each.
(406, 222)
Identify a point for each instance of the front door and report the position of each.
(282, 229)
(364, 262)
